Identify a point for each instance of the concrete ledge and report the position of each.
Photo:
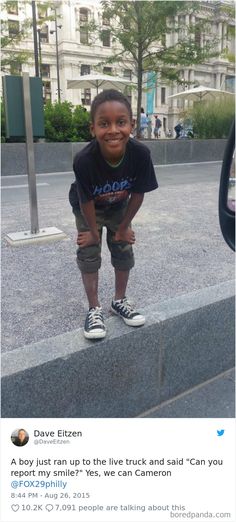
(58, 157)
(215, 398)
(185, 341)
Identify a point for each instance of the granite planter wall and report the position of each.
(58, 157)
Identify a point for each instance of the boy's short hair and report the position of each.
(109, 95)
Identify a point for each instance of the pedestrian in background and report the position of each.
(149, 127)
(157, 127)
(178, 128)
(143, 123)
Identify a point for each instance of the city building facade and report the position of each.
(67, 50)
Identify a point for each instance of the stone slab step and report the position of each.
(184, 342)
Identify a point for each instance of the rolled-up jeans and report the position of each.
(89, 257)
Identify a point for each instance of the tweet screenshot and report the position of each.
(121, 470)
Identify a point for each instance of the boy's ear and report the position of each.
(133, 123)
(92, 130)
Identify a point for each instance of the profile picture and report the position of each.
(20, 437)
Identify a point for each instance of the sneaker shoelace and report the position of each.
(126, 307)
(95, 317)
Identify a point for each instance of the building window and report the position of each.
(44, 33)
(86, 93)
(128, 74)
(163, 95)
(106, 39)
(85, 69)
(197, 35)
(182, 27)
(13, 28)
(12, 7)
(230, 83)
(107, 70)
(164, 125)
(45, 70)
(83, 15)
(86, 97)
(47, 94)
(83, 35)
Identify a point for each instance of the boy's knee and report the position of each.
(122, 264)
(89, 259)
(122, 257)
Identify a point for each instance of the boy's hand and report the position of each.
(126, 234)
(87, 238)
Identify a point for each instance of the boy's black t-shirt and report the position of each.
(97, 180)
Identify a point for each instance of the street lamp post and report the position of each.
(35, 39)
(40, 52)
(57, 56)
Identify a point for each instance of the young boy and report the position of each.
(112, 174)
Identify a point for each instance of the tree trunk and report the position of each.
(139, 67)
(139, 99)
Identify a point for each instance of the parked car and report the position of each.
(227, 191)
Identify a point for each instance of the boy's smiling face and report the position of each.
(112, 127)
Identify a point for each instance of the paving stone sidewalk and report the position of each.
(179, 248)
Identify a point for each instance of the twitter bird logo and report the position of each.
(220, 433)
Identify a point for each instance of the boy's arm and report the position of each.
(124, 232)
(92, 236)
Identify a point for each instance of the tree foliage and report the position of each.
(58, 121)
(81, 124)
(140, 27)
(63, 122)
(3, 123)
(212, 119)
(13, 53)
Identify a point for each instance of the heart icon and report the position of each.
(49, 507)
(15, 507)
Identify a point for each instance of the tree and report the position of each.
(212, 119)
(13, 34)
(64, 122)
(81, 123)
(140, 27)
(3, 123)
(58, 121)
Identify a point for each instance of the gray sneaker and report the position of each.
(94, 327)
(123, 308)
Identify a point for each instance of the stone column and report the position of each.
(218, 80)
(224, 31)
(222, 84)
(176, 34)
(187, 20)
(191, 75)
(220, 36)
